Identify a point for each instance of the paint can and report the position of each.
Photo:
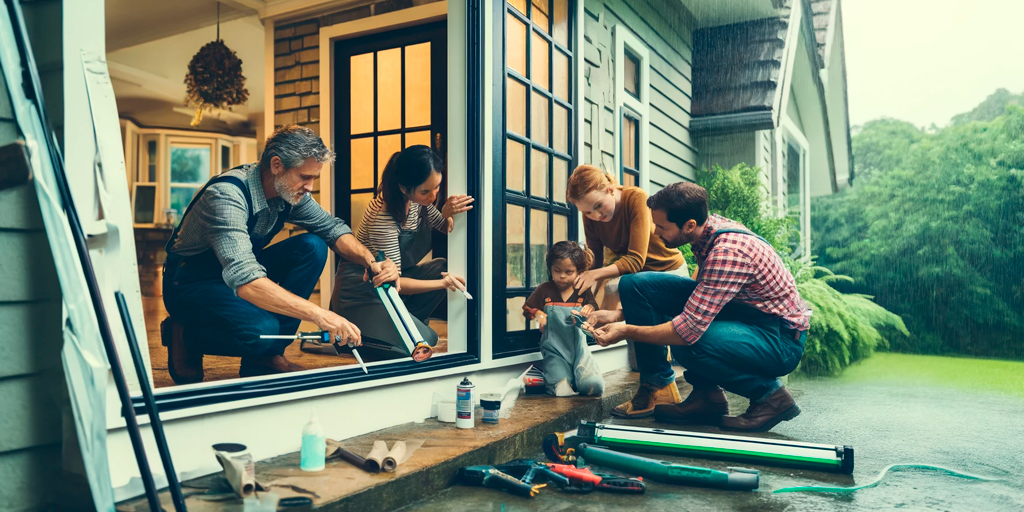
(464, 404)
(491, 403)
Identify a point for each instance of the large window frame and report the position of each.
(632, 107)
(789, 136)
(507, 344)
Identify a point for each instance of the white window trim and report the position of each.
(788, 133)
(624, 39)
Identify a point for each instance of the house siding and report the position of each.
(664, 26)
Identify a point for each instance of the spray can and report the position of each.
(314, 449)
(464, 404)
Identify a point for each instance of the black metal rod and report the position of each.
(32, 77)
(155, 423)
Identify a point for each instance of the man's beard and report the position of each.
(292, 197)
(680, 241)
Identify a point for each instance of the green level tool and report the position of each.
(561, 447)
(736, 479)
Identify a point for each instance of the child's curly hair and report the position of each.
(579, 255)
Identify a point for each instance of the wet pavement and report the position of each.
(887, 420)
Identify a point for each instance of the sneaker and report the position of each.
(646, 398)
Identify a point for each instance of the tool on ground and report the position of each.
(416, 348)
(490, 476)
(569, 478)
(295, 501)
(578, 319)
(529, 471)
(319, 343)
(881, 475)
(736, 479)
(560, 447)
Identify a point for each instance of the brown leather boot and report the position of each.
(704, 406)
(646, 398)
(185, 364)
(252, 366)
(761, 417)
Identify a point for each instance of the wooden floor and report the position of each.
(222, 368)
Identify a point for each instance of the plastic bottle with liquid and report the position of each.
(314, 447)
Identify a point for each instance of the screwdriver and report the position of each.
(321, 336)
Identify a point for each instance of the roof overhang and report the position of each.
(732, 123)
(724, 12)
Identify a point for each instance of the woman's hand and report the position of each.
(586, 280)
(383, 272)
(452, 282)
(455, 205)
(604, 317)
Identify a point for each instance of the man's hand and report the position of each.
(585, 281)
(342, 331)
(610, 334)
(383, 272)
(604, 317)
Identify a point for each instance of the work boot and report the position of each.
(704, 406)
(253, 366)
(761, 417)
(643, 402)
(184, 363)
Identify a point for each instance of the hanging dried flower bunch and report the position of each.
(214, 79)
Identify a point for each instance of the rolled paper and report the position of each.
(394, 456)
(375, 459)
(236, 473)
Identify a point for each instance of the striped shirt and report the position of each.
(379, 231)
(219, 217)
(742, 268)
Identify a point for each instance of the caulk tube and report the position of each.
(737, 479)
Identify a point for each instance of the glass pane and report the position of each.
(417, 85)
(539, 174)
(190, 165)
(359, 204)
(559, 228)
(561, 85)
(515, 109)
(520, 5)
(540, 51)
(539, 119)
(538, 246)
(560, 176)
(225, 158)
(631, 76)
(145, 201)
(361, 89)
(560, 31)
(629, 179)
(515, 45)
(541, 14)
(629, 156)
(515, 320)
(515, 241)
(420, 138)
(515, 166)
(180, 197)
(389, 89)
(560, 130)
(387, 145)
(151, 155)
(362, 163)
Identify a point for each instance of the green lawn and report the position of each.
(961, 373)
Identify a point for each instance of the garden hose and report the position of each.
(878, 479)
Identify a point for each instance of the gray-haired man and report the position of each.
(223, 285)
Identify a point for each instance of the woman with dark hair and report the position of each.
(399, 222)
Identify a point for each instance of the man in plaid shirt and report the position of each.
(740, 325)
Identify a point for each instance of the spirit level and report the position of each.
(562, 447)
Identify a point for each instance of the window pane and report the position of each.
(151, 162)
(515, 109)
(389, 89)
(515, 242)
(538, 246)
(145, 200)
(190, 165)
(629, 179)
(560, 31)
(560, 176)
(515, 166)
(420, 138)
(520, 5)
(362, 163)
(560, 228)
(515, 44)
(631, 74)
(561, 85)
(540, 51)
(560, 134)
(180, 197)
(417, 85)
(361, 89)
(387, 145)
(515, 320)
(359, 204)
(540, 14)
(629, 135)
(539, 174)
(539, 119)
(225, 158)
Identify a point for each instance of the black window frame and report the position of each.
(624, 170)
(508, 344)
(230, 391)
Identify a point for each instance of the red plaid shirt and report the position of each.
(742, 268)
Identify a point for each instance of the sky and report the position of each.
(925, 61)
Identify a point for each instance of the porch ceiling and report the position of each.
(711, 13)
(133, 22)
